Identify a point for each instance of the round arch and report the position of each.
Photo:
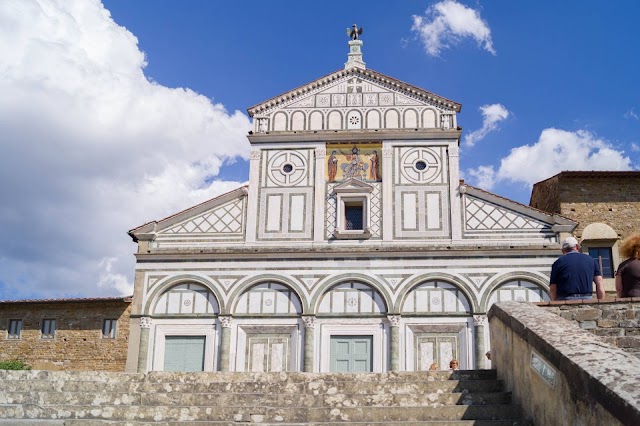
(260, 279)
(358, 123)
(410, 118)
(298, 120)
(338, 279)
(599, 231)
(538, 280)
(436, 276)
(161, 288)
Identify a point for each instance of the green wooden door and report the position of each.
(184, 353)
(351, 354)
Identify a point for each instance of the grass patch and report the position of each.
(13, 365)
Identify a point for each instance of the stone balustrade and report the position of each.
(617, 321)
(559, 372)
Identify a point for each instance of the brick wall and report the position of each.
(617, 321)
(78, 342)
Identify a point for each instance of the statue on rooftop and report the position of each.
(354, 32)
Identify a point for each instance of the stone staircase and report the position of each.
(439, 398)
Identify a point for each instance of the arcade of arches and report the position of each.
(350, 326)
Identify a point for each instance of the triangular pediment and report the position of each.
(354, 99)
(220, 217)
(354, 81)
(485, 213)
(353, 186)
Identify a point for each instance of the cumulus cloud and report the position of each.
(91, 148)
(446, 23)
(491, 116)
(555, 151)
(635, 147)
(483, 176)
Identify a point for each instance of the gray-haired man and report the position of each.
(573, 273)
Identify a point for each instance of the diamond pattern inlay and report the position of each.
(376, 207)
(332, 205)
(225, 219)
(482, 215)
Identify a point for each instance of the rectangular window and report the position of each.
(353, 217)
(604, 258)
(14, 329)
(48, 329)
(109, 328)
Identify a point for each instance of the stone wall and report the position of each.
(545, 195)
(612, 198)
(616, 321)
(559, 373)
(78, 342)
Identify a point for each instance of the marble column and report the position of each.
(479, 321)
(455, 192)
(143, 349)
(252, 197)
(387, 192)
(225, 344)
(394, 342)
(309, 336)
(320, 194)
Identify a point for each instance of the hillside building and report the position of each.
(606, 206)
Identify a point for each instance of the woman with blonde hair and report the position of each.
(628, 273)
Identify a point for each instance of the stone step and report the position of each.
(510, 422)
(319, 387)
(91, 376)
(219, 377)
(160, 376)
(201, 423)
(263, 414)
(252, 399)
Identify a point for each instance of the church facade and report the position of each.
(354, 247)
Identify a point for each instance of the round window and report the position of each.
(287, 168)
(421, 165)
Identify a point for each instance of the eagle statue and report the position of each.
(354, 32)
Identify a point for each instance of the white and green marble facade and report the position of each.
(268, 274)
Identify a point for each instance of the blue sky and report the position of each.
(117, 113)
(567, 65)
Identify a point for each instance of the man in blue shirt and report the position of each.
(573, 273)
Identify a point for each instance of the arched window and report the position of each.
(519, 290)
(436, 297)
(269, 298)
(187, 299)
(352, 298)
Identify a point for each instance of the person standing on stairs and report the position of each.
(573, 273)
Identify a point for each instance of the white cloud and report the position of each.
(635, 147)
(92, 148)
(558, 150)
(483, 176)
(555, 151)
(448, 21)
(491, 116)
(631, 114)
